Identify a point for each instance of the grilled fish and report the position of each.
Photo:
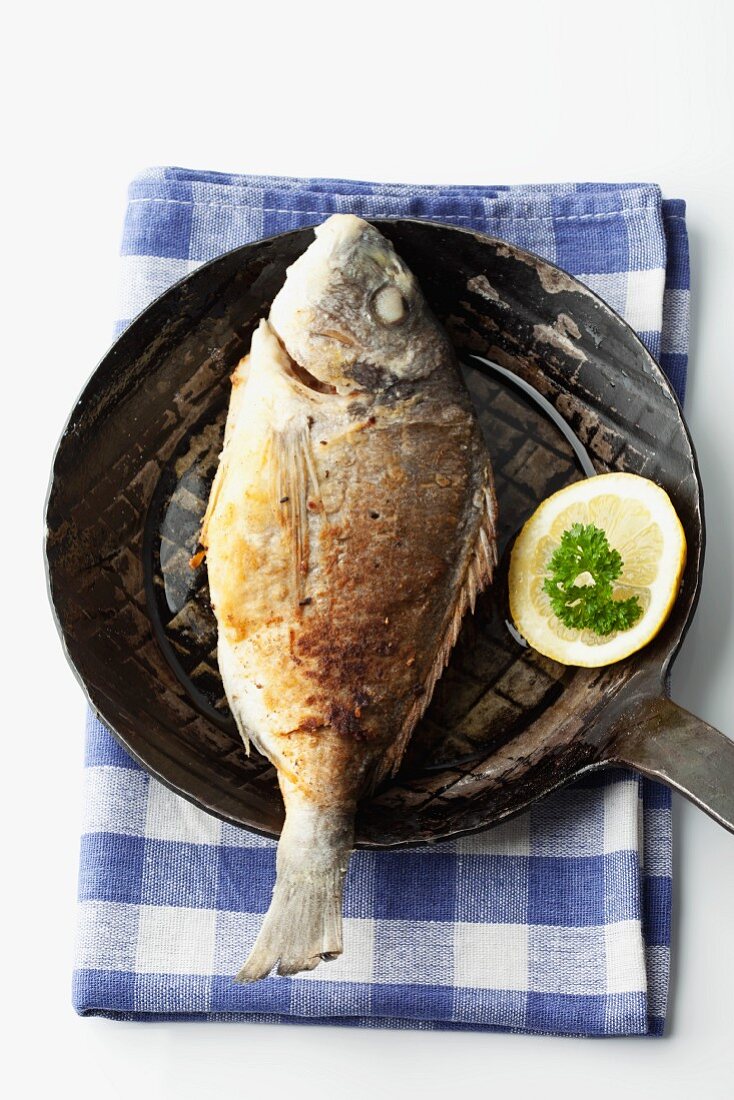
(350, 526)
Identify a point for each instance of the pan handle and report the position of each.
(663, 741)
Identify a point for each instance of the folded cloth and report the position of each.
(557, 922)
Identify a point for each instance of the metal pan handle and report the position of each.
(663, 741)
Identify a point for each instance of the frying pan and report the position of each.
(563, 388)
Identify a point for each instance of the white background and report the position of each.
(456, 92)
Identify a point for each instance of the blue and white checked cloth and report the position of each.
(557, 922)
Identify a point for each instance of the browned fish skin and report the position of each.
(389, 536)
(346, 539)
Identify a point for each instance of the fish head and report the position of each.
(351, 315)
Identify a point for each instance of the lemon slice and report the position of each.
(641, 523)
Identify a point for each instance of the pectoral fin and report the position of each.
(295, 492)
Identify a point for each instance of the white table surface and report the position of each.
(464, 93)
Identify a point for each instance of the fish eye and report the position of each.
(389, 305)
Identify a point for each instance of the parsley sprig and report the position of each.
(579, 584)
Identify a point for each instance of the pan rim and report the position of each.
(129, 334)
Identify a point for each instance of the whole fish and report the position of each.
(350, 526)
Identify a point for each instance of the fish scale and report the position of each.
(350, 526)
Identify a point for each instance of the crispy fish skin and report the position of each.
(350, 527)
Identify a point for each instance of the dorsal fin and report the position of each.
(479, 563)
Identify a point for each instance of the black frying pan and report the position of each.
(563, 388)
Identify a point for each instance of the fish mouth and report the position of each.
(309, 380)
(301, 374)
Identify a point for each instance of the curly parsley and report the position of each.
(579, 584)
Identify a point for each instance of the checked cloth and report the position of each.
(556, 922)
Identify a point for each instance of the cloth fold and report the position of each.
(557, 922)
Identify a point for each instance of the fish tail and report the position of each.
(303, 925)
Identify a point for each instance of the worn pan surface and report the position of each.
(563, 388)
